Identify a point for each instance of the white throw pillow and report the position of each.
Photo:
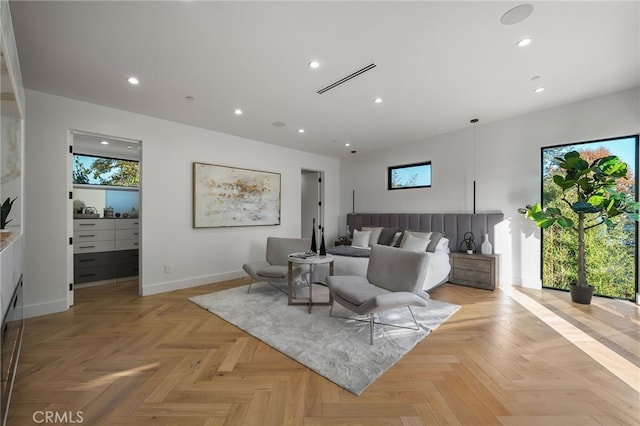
(360, 238)
(443, 245)
(423, 235)
(375, 234)
(414, 243)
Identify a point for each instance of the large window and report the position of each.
(92, 170)
(417, 175)
(610, 253)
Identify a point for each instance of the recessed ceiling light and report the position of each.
(237, 111)
(377, 100)
(539, 89)
(104, 143)
(129, 147)
(524, 42)
(535, 77)
(300, 130)
(133, 80)
(189, 98)
(314, 64)
(347, 144)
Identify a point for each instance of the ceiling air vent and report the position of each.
(347, 78)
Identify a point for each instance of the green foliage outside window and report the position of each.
(610, 251)
(105, 171)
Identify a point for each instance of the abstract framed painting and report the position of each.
(229, 196)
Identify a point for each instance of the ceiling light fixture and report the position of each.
(104, 143)
(524, 42)
(189, 98)
(539, 90)
(516, 14)
(378, 100)
(314, 64)
(237, 111)
(347, 144)
(133, 80)
(300, 130)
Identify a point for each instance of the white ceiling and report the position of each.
(438, 64)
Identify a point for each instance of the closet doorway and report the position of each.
(104, 220)
(312, 202)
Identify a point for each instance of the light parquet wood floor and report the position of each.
(119, 359)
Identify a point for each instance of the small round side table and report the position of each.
(312, 261)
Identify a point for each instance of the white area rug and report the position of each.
(335, 348)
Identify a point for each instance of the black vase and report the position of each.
(313, 237)
(323, 248)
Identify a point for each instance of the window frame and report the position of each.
(98, 185)
(637, 198)
(391, 169)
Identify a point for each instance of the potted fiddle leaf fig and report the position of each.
(5, 209)
(591, 198)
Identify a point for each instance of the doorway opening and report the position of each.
(104, 221)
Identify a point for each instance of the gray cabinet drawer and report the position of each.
(93, 246)
(127, 234)
(91, 224)
(89, 260)
(98, 273)
(468, 275)
(127, 244)
(127, 223)
(93, 235)
(479, 264)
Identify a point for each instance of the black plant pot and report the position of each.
(581, 294)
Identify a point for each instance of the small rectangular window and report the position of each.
(94, 170)
(417, 175)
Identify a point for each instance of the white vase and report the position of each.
(486, 247)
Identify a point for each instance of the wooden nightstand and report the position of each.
(475, 270)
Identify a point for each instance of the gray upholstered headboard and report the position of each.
(453, 225)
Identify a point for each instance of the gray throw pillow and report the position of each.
(435, 238)
(386, 236)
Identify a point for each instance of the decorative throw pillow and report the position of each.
(395, 241)
(375, 234)
(443, 245)
(360, 238)
(423, 235)
(386, 236)
(414, 243)
(435, 238)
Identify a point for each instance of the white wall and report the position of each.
(507, 171)
(196, 256)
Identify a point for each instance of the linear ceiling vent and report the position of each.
(347, 78)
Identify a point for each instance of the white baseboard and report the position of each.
(46, 308)
(60, 305)
(527, 282)
(149, 289)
